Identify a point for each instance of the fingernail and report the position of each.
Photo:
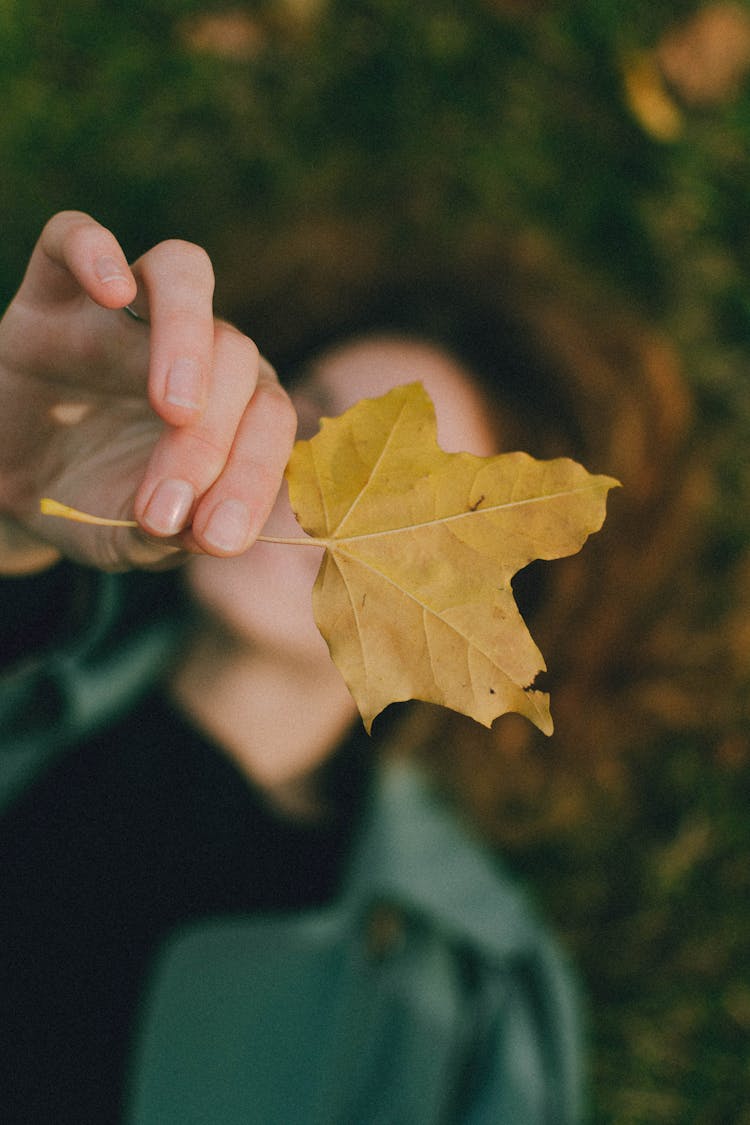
(108, 269)
(184, 383)
(169, 506)
(228, 527)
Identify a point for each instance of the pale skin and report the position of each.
(180, 424)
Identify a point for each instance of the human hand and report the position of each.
(174, 419)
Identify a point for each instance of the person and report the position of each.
(222, 901)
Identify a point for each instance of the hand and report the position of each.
(173, 420)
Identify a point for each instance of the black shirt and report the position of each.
(143, 828)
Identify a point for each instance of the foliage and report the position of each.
(414, 593)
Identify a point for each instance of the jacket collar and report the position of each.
(414, 853)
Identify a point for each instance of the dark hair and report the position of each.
(621, 623)
(576, 372)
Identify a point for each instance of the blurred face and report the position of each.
(263, 597)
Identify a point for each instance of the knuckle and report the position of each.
(240, 352)
(75, 231)
(208, 451)
(265, 477)
(68, 220)
(202, 455)
(193, 259)
(267, 371)
(244, 349)
(287, 416)
(272, 400)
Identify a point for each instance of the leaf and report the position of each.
(414, 595)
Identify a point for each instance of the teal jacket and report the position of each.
(427, 993)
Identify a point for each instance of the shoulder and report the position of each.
(63, 683)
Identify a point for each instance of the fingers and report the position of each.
(214, 473)
(176, 296)
(76, 253)
(171, 287)
(220, 476)
(235, 510)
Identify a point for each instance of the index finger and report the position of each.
(177, 283)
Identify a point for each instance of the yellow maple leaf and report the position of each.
(414, 591)
(413, 595)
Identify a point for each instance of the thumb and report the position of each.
(76, 253)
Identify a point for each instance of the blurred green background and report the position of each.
(318, 148)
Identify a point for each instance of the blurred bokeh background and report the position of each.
(564, 179)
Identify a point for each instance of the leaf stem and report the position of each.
(294, 541)
(50, 507)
